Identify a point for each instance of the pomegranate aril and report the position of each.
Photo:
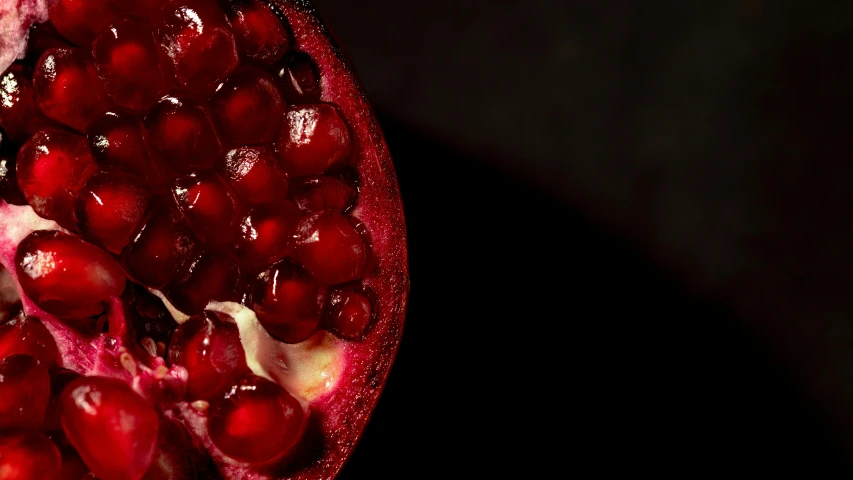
(82, 20)
(298, 79)
(59, 379)
(260, 35)
(247, 108)
(52, 166)
(288, 302)
(111, 426)
(160, 248)
(198, 40)
(350, 314)
(110, 208)
(210, 349)
(27, 335)
(209, 277)
(20, 117)
(29, 455)
(128, 63)
(10, 191)
(208, 206)
(255, 421)
(24, 392)
(66, 276)
(313, 138)
(118, 141)
(10, 300)
(43, 37)
(254, 175)
(181, 129)
(323, 192)
(266, 235)
(330, 247)
(67, 88)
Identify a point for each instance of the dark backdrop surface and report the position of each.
(630, 227)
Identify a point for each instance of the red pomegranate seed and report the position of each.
(159, 250)
(111, 426)
(67, 88)
(181, 129)
(52, 166)
(27, 335)
(330, 247)
(110, 208)
(10, 191)
(59, 379)
(118, 141)
(313, 138)
(19, 115)
(24, 392)
(298, 79)
(210, 349)
(66, 276)
(82, 20)
(208, 206)
(211, 276)
(43, 37)
(128, 63)
(350, 314)
(254, 174)
(197, 38)
(323, 192)
(255, 421)
(260, 35)
(10, 299)
(247, 107)
(266, 235)
(29, 455)
(288, 302)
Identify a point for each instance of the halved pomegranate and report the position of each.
(203, 267)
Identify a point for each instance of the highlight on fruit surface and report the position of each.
(203, 264)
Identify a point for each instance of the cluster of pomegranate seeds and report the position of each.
(184, 147)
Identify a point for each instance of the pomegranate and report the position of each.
(203, 261)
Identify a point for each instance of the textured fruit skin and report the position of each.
(343, 412)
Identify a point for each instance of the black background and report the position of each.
(630, 227)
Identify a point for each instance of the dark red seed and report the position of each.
(10, 191)
(254, 174)
(67, 88)
(29, 455)
(128, 63)
(43, 37)
(66, 276)
(330, 247)
(160, 249)
(118, 141)
(266, 235)
(255, 421)
(209, 277)
(110, 208)
(59, 379)
(288, 302)
(181, 129)
(20, 117)
(210, 349)
(111, 426)
(82, 20)
(52, 166)
(208, 206)
(247, 108)
(27, 335)
(350, 314)
(260, 34)
(298, 79)
(313, 138)
(24, 392)
(323, 192)
(196, 37)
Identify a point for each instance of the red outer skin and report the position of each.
(342, 414)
